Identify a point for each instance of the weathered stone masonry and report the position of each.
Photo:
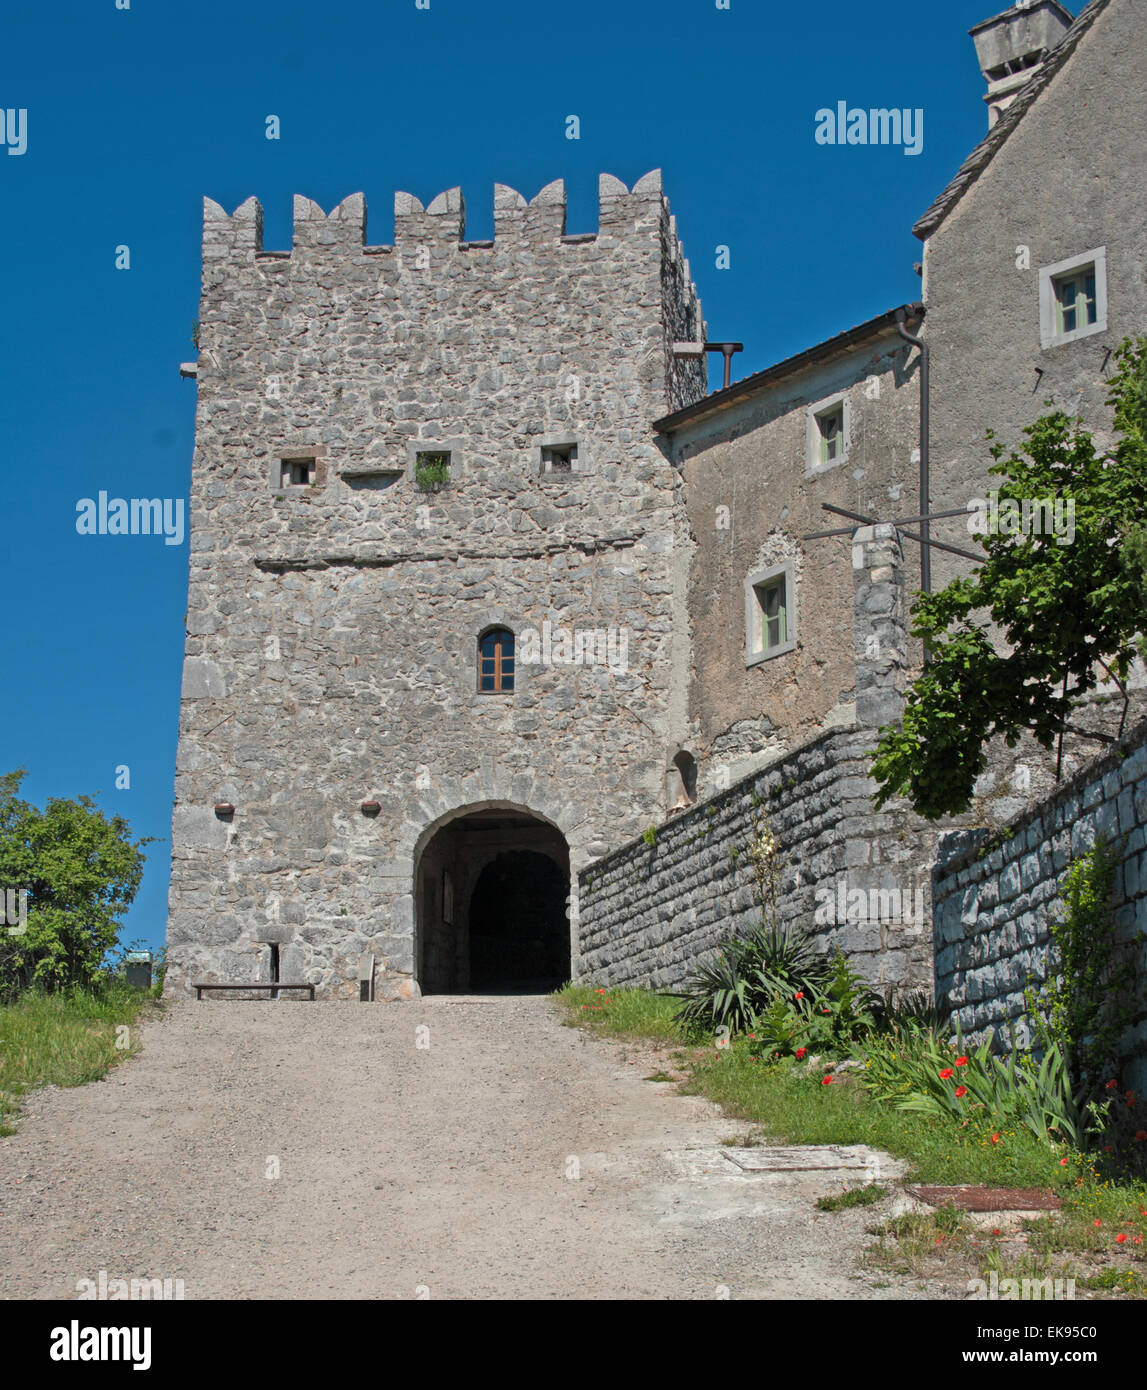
(991, 912)
(332, 628)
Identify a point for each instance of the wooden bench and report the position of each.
(275, 985)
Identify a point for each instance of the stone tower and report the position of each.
(407, 456)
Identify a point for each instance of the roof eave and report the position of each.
(729, 396)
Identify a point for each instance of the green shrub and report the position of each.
(749, 975)
(431, 471)
(80, 870)
(834, 1017)
(1089, 998)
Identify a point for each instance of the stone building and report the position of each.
(484, 585)
(436, 612)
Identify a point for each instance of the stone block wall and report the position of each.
(992, 897)
(650, 913)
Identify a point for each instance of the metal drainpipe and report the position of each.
(925, 500)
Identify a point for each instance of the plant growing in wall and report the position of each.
(764, 855)
(649, 835)
(1089, 998)
(1068, 593)
(431, 471)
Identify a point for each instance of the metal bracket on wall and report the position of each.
(900, 523)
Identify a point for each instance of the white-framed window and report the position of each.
(1073, 298)
(829, 428)
(770, 614)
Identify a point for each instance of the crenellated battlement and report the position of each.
(633, 262)
(621, 211)
(416, 300)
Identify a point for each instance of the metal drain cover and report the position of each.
(814, 1158)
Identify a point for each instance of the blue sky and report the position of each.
(134, 114)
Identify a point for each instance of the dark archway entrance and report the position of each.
(491, 905)
(519, 931)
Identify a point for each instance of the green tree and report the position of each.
(80, 869)
(1068, 612)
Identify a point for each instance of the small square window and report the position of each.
(770, 626)
(1073, 298)
(432, 469)
(559, 458)
(297, 472)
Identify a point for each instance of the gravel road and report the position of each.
(295, 1150)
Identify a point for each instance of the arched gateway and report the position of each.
(491, 887)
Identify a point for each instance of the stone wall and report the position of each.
(991, 912)
(332, 626)
(650, 913)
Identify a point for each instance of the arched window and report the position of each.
(686, 765)
(681, 782)
(496, 661)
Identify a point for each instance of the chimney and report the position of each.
(1012, 48)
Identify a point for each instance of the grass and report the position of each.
(792, 1105)
(855, 1197)
(64, 1040)
(631, 1013)
(787, 1103)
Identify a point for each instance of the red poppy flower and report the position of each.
(961, 1091)
(826, 1011)
(827, 1081)
(801, 1051)
(1136, 1240)
(1063, 1162)
(961, 1061)
(946, 1074)
(1140, 1135)
(996, 1231)
(1120, 1238)
(1113, 1085)
(995, 1138)
(1129, 1097)
(1097, 1222)
(799, 995)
